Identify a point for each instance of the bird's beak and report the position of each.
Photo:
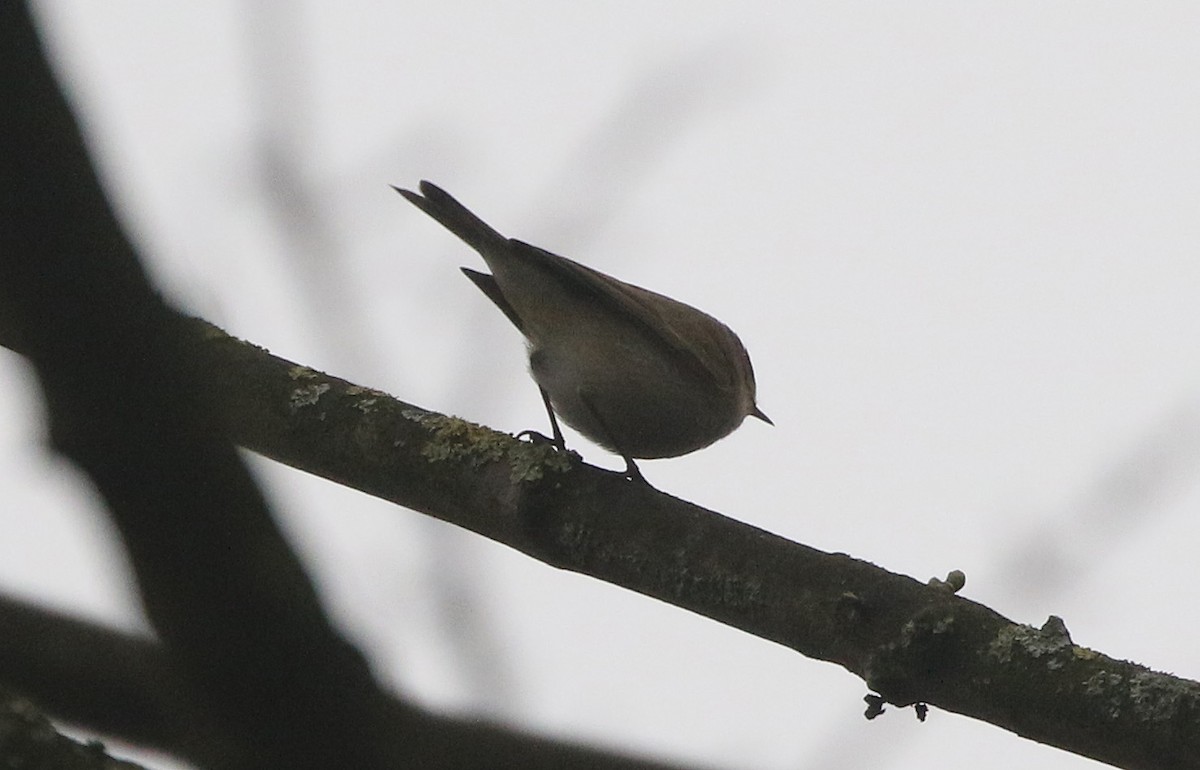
(761, 415)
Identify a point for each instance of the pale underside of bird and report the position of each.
(643, 375)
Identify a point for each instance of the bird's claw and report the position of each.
(538, 438)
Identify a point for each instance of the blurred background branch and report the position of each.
(966, 244)
(250, 649)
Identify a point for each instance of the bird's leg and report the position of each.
(558, 441)
(558, 436)
(632, 472)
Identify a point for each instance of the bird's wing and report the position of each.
(487, 284)
(695, 348)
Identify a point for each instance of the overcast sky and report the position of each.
(959, 242)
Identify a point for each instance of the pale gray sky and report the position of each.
(959, 242)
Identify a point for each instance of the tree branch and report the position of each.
(126, 685)
(128, 391)
(910, 642)
(245, 636)
(29, 740)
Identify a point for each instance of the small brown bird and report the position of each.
(638, 373)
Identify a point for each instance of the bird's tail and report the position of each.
(454, 216)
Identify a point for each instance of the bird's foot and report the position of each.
(633, 473)
(538, 438)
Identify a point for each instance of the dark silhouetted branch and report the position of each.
(247, 640)
(131, 386)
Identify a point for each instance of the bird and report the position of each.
(638, 373)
